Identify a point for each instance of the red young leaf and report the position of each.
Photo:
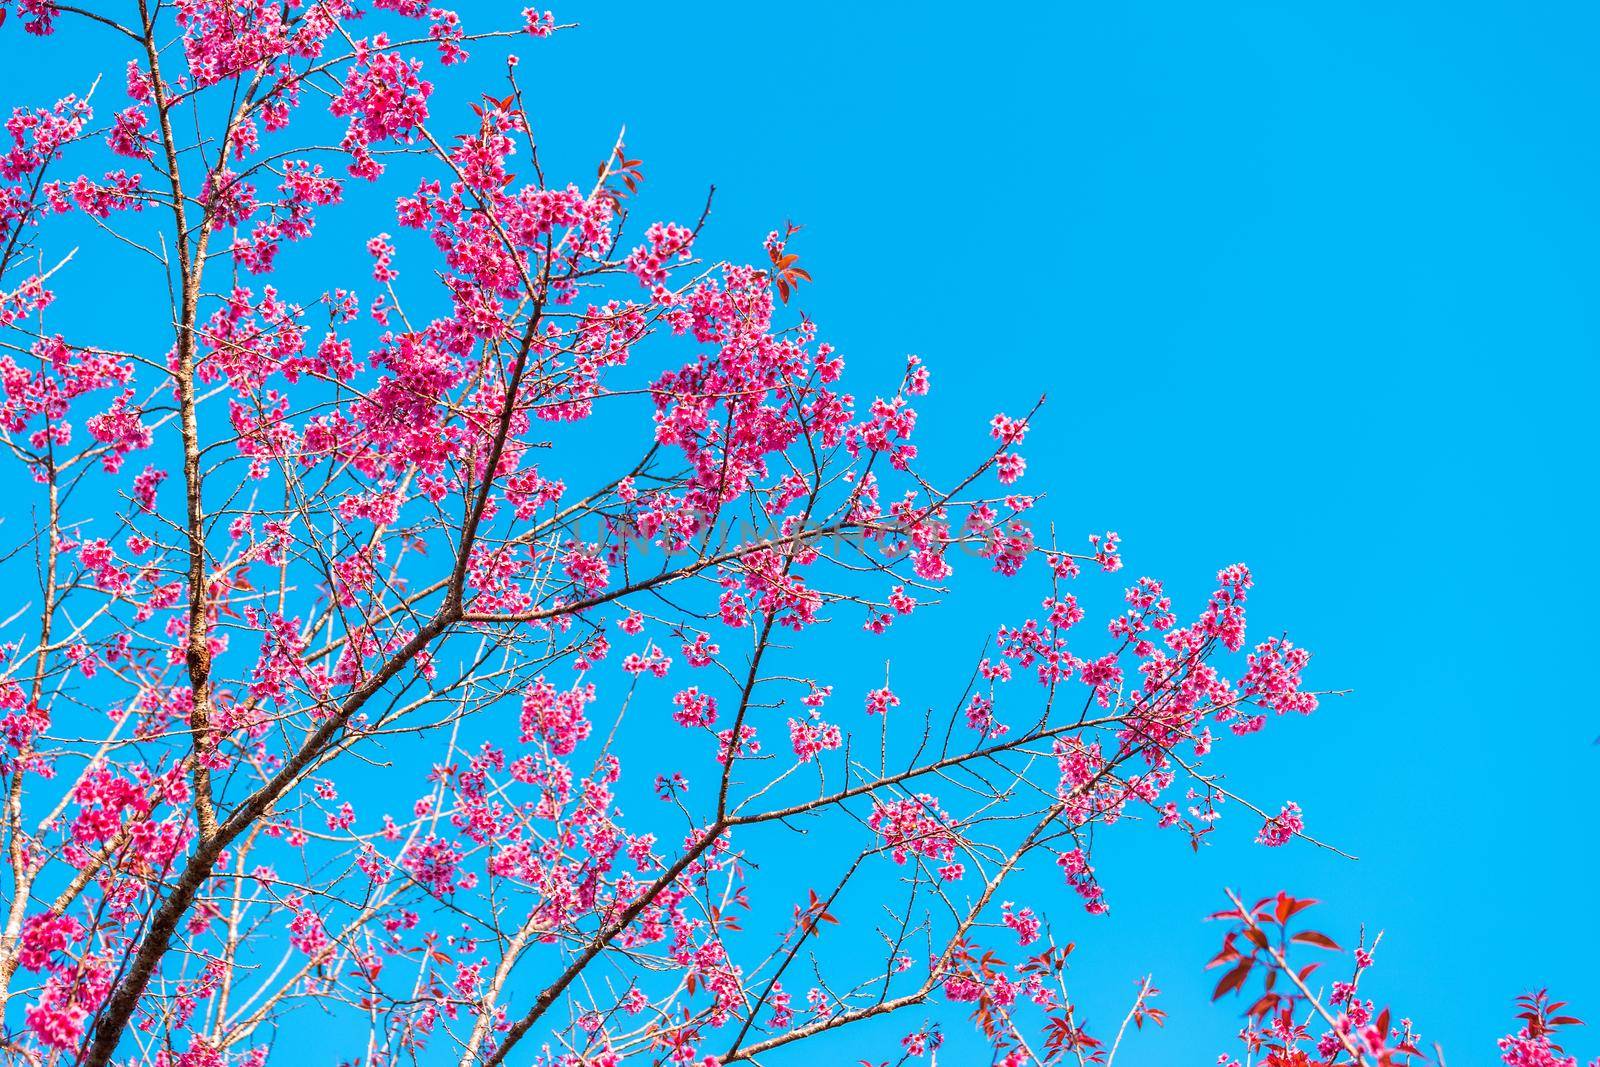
(1234, 979)
(1312, 937)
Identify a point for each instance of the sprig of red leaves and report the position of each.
(814, 913)
(787, 275)
(624, 169)
(1539, 1014)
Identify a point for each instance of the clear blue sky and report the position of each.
(1312, 287)
(1309, 287)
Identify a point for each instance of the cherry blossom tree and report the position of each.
(344, 624)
